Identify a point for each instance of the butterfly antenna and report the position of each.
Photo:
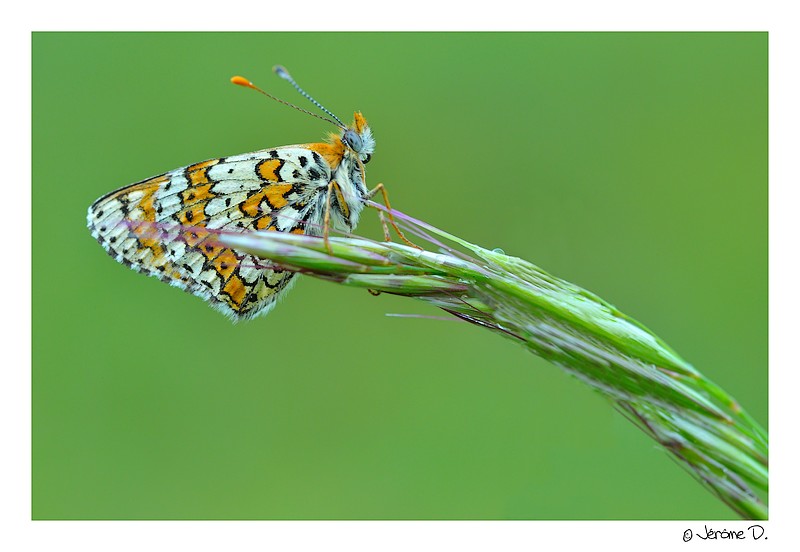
(241, 81)
(281, 71)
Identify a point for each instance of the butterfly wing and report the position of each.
(166, 226)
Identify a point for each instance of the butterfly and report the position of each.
(165, 226)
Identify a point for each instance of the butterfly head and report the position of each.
(358, 138)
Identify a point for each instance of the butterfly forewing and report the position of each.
(166, 226)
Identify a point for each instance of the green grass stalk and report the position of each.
(694, 420)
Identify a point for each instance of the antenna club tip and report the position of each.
(241, 81)
(281, 71)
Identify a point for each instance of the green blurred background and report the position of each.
(634, 165)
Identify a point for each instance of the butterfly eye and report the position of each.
(367, 158)
(353, 140)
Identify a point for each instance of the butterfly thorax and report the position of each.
(346, 153)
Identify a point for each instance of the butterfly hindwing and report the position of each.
(166, 226)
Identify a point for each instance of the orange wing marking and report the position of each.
(235, 289)
(269, 169)
(198, 193)
(225, 263)
(275, 193)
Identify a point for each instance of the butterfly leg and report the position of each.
(326, 222)
(386, 236)
(382, 189)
